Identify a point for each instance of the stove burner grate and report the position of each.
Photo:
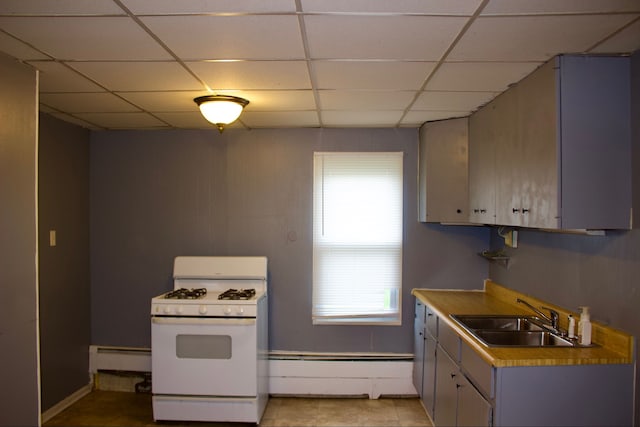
(235, 294)
(184, 293)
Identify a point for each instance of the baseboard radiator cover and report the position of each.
(341, 374)
(127, 359)
(297, 373)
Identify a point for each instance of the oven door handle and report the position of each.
(232, 321)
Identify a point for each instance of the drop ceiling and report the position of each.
(138, 64)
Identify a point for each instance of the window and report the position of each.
(357, 238)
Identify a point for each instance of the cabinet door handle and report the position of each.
(524, 211)
(453, 375)
(476, 210)
(516, 210)
(483, 211)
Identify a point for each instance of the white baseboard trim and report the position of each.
(66, 402)
(297, 373)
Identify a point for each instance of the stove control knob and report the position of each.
(167, 309)
(179, 309)
(227, 310)
(240, 311)
(202, 309)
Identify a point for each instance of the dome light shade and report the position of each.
(221, 109)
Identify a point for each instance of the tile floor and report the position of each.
(113, 408)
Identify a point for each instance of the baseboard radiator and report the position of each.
(295, 373)
(341, 374)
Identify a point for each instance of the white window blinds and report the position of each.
(357, 237)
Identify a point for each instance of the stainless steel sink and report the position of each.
(522, 338)
(503, 323)
(511, 331)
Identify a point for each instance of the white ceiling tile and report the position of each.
(364, 64)
(86, 102)
(139, 76)
(372, 75)
(259, 119)
(185, 120)
(381, 37)
(627, 40)
(72, 119)
(146, 7)
(533, 38)
(178, 101)
(360, 118)
(86, 38)
(279, 100)
(230, 37)
(123, 120)
(365, 100)
(55, 77)
(417, 118)
(59, 7)
(253, 74)
(479, 76)
(452, 101)
(565, 6)
(168, 101)
(18, 49)
(449, 7)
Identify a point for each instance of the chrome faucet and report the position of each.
(552, 319)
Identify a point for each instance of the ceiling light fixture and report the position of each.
(221, 109)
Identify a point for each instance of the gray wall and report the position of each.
(570, 271)
(63, 205)
(19, 393)
(158, 194)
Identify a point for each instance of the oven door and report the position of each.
(204, 356)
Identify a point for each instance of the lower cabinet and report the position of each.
(473, 410)
(459, 388)
(424, 363)
(458, 403)
(447, 395)
(446, 404)
(429, 373)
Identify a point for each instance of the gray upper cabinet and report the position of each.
(443, 194)
(553, 151)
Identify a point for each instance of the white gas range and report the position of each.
(209, 341)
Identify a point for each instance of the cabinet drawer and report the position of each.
(480, 372)
(449, 340)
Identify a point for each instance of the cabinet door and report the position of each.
(508, 158)
(483, 125)
(429, 374)
(419, 328)
(473, 410)
(538, 148)
(443, 171)
(446, 399)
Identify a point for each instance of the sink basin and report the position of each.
(503, 323)
(510, 331)
(522, 338)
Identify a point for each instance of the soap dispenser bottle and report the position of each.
(571, 330)
(584, 326)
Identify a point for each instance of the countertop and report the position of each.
(612, 346)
